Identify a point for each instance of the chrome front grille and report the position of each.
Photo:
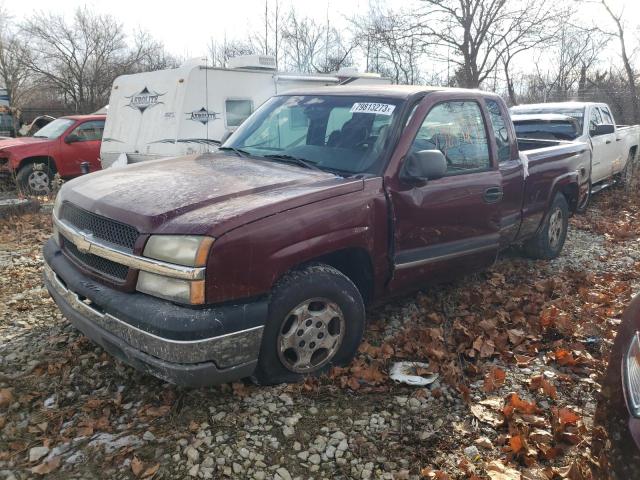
(96, 263)
(100, 227)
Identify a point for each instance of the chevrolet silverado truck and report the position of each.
(614, 147)
(59, 147)
(257, 260)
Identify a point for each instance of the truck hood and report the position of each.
(206, 194)
(16, 143)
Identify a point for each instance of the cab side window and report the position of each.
(500, 131)
(457, 129)
(595, 119)
(89, 131)
(606, 116)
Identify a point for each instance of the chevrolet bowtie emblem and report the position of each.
(83, 242)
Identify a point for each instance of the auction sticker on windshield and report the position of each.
(376, 108)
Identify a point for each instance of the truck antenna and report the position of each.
(206, 95)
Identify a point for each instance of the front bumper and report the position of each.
(181, 345)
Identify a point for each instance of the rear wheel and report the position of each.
(549, 240)
(625, 176)
(316, 320)
(35, 179)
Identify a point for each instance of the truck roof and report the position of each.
(85, 117)
(547, 117)
(555, 105)
(393, 91)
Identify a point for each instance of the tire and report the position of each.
(583, 203)
(332, 338)
(549, 240)
(35, 179)
(623, 179)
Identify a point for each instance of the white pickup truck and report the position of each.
(613, 147)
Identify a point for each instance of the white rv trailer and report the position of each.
(187, 110)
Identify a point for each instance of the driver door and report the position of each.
(604, 148)
(451, 225)
(82, 144)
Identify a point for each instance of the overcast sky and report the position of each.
(186, 27)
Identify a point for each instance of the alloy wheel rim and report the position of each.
(555, 228)
(38, 181)
(311, 335)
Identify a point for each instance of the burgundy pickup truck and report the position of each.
(257, 260)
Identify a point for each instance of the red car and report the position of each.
(60, 147)
(619, 409)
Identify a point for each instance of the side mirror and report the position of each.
(71, 138)
(225, 136)
(425, 165)
(603, 129)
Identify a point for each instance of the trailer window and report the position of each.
(237, 111)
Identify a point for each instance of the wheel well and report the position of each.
(47, 160)
(355, 263)
(632, 152)
(571, 194)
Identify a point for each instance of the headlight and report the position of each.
(188, 250)
(632, 375)
(183, 291)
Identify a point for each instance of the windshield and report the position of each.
(575, 112)
(342, 134)
(54, 129)
(547, 130)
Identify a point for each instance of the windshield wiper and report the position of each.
(237, 151)
(295, 160)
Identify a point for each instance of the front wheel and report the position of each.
(549, 240)
(583, 202)
(34, 179)
(316, 320)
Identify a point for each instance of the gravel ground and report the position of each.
(69, 410)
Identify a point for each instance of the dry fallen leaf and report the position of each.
(487, 415)
(496, 470)
(151, 471)
(46, 468)
(6, 397)
(137, 466)
(157, 411)
(494, 379)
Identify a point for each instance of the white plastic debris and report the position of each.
(121, 161)
(407, 372)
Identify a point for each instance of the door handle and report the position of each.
(608, 142)
(618, 139)
(492, 195)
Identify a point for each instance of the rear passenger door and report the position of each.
(450, 225)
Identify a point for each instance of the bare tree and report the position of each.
(313, 47)
(221, 52)
(389, 46)
(479, 33)
(619, 33)
(14, 72)
(80, 59)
